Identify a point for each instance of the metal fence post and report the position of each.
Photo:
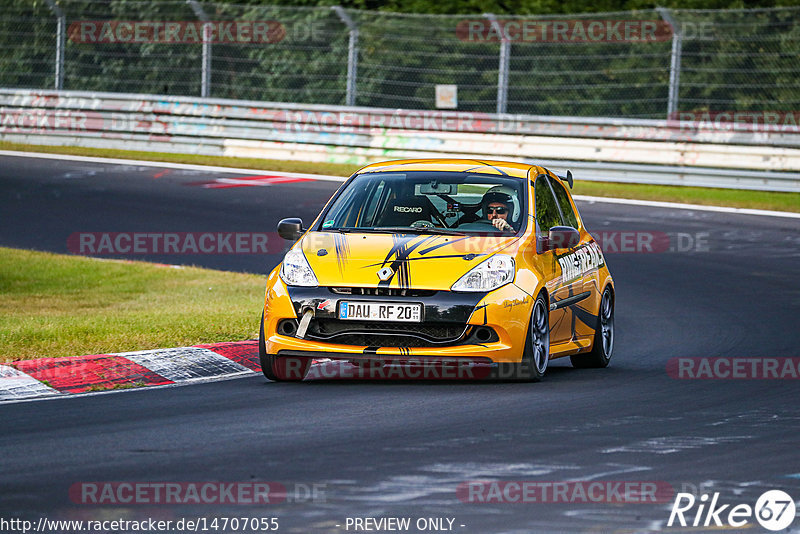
(205, 71)
(675, 61)
(352, 55)
(61, 34)
(502, 69)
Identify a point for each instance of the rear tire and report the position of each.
(280, 369)
(603, 345)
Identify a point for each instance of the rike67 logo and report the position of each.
(774, 510)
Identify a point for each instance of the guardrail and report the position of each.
(731, 155)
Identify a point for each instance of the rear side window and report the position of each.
(570, 219)
(547, 214)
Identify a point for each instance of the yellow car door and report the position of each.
(585, 258)
(561, 284)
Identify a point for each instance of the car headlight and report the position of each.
(295, 270)
(487, 275)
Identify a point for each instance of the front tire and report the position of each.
(603, 345)
(280, 369)
(537, 344)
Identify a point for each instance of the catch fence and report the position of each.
(634, 64)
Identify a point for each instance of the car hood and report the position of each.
(416, 261)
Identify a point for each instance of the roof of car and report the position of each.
(503, 168)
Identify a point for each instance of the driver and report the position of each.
(496, 206)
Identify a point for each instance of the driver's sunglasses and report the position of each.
(499, 211)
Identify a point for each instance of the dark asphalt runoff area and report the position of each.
(730, 287)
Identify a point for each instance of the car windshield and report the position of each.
(429, 202)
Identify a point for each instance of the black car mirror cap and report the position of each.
(291, 228)
(560, 237)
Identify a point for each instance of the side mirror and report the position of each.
(291, 229)
(569, 179)
(562, 237)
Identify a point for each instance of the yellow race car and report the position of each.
(441, 260)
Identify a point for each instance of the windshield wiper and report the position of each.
(353, 230)
(420, 230)
(396, 229)
(348, 230)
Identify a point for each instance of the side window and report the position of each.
(563, 201)
(547, 214)
(370, 212)
(345, 216)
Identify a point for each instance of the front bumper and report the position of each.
(483, 328)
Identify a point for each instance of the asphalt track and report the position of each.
(402, 448)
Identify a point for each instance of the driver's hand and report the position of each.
(502, 224)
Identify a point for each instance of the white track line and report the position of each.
(697, 207)
(169, 165)
(235, 170)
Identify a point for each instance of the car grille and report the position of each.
(372, 334)
(383, 292)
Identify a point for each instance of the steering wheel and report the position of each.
(490, 223)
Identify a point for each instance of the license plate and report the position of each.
(380, 311)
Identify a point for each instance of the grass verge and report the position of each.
(59, 305)
(737, 198)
